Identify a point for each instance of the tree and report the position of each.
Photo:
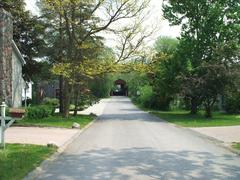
(79, 26)
(209, 28)
(231, 96)
(166, 45)
(165, 71)
(101, 85)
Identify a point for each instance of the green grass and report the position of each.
(183, 118)
(236, 146)
(57, 121)
(16, 161)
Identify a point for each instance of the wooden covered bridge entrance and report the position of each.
(120, 88)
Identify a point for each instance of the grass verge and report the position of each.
(183, 118)
(57, 121)
(16, 161)
(236, 146)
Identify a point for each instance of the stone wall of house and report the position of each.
(6, 33)
(17, 81)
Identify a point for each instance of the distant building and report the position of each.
(51, 89)
(11, 62)
(120, 88)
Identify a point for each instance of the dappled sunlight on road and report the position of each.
(143, 163)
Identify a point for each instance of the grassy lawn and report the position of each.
(183, 118)
(57, 121)
(236, 146)
(16, 161)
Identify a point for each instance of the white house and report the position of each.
(27, 91)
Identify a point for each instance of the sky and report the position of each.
(155, 18)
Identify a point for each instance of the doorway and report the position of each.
(120, 88)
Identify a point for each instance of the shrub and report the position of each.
(232, 103)
(51, 101)
(148, 99)
(7, 111)
(38, 112)
(176, 104)
(161, 102)
(146, 96)
(87, 100)
(101, 86)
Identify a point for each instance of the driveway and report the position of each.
(226, 134)
(127, 143)
(40, 136)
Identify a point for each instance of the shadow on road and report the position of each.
(143, 163)
(131, 116)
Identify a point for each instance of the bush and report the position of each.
(7, 111)
(87, 100)
(146, 97)
(161, 102)
(232, 103)
(149, 99)
(38, 112)
(51, 101)
(179, 103)
(101, 86)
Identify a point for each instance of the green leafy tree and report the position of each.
(166, 45)
(208, 46)
(166, 69)
(77, 27)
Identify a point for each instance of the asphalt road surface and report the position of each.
(127, 143)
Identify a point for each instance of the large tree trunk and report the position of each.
(209, 103)
(67, 89)
(61, 48)
(40, 93)
(194, 106)
(76, 96)
(61, 83)
(208, 111)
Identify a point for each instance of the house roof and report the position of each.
(16, 50)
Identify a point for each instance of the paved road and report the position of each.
(127, 143)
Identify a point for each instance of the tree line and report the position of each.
(65, 42)
(201, 67)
